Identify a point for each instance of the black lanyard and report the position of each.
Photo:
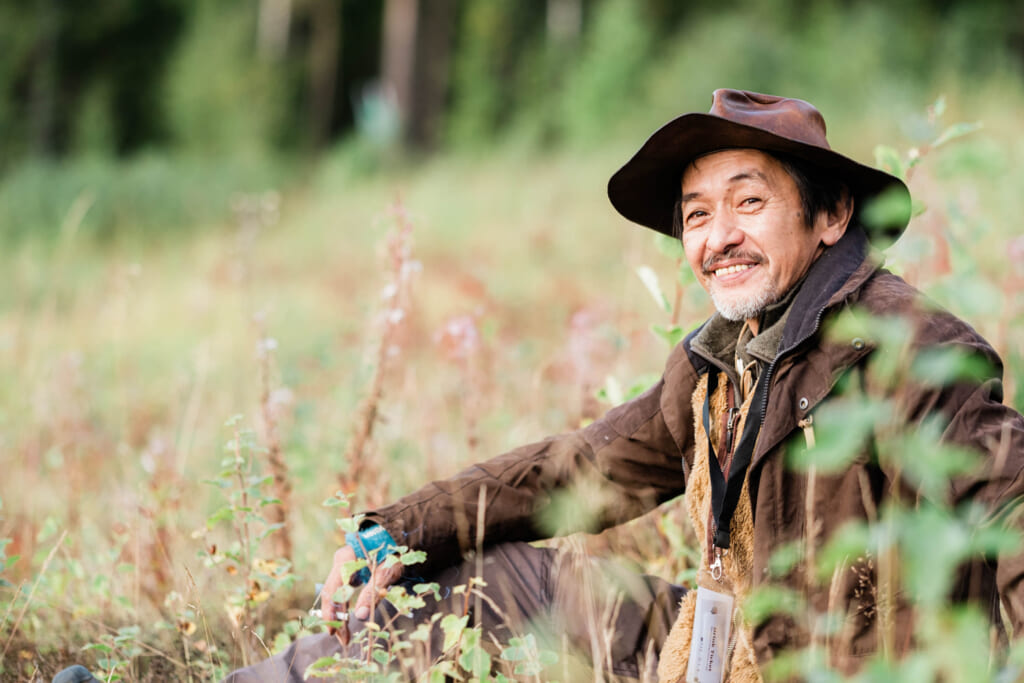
(726, 495)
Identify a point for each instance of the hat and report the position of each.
(646, 188)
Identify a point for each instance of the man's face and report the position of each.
(744, 232)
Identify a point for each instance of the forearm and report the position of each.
(621, 468)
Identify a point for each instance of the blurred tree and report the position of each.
(324, 66)
(291, 75)
(274, 27)
(494, 46)
(416, 55)
(57, 54)
(564, 20)
(220, 99)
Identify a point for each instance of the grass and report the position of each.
(121, 361)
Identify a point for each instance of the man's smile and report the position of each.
(731, 270)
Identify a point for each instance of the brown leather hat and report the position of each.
(645, 189)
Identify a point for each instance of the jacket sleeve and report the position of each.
(617, 468)
(999, 484)
(976, 418)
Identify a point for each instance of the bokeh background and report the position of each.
(376, 231)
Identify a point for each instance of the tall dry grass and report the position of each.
(120, 364)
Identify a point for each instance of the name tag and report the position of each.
(712, 623)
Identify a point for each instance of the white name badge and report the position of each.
(712, 623)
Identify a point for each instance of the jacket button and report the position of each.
(803, 403)
(857, 343)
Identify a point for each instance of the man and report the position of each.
(772, 222)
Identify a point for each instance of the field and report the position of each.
(365, 333)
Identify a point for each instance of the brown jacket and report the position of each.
(641, 453)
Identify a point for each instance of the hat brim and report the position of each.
(647, 186)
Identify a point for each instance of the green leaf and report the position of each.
(221, 515)
(926, 460)
(848, 543)
(612, 391)
(917, 207)
(99, 647)
(338, 499)
(890, 208)
(931, 543)
(841, 427)
(957, 130)
(349, 525)
(672, 334)
(650, 280)
(944, 366)
(432, 587)
(343, 594)
(452, 626)
(413, 557)
(352, 568)
(474, 658)
(784, 558)
(888, 159)
(685, 276)
(639, 385)
(969, 293)
(50, 528)
(768, 600)
(281, 642)
(270, 529)
(670, 246)
(318, 669)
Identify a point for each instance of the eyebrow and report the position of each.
(742, 175)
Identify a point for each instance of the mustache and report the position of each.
(713, 261)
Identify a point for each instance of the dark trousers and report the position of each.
(595, 614)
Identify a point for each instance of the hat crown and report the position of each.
(784, 116)
(646, 188)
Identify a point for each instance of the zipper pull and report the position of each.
(730, 425)
(716, 566)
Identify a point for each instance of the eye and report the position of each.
(695, 215)
(750, 201)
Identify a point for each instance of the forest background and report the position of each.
(256, 253)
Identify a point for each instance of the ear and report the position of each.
(832, 224)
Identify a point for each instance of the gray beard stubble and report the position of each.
(744, 309)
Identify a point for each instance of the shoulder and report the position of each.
(888, 295)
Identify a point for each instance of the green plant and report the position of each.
(246, 490)
(116, 652)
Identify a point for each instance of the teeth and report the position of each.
(732, 269)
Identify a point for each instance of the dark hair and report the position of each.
(819, 189)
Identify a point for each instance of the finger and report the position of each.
(376, 589)
(331, 611)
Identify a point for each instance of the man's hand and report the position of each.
(368, 598)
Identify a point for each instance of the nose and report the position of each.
(724, 233)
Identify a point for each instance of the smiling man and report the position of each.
(745, 233)
(772, 224)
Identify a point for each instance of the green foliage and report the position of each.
(495, 34)
(221, 98)
(149, 197)
(247, 491)
(5, 562)
(114, 349)
(606, 76)
(530, 660)
(116, 652)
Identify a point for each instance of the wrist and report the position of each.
(372, 544)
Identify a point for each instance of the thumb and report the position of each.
(376, 589)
